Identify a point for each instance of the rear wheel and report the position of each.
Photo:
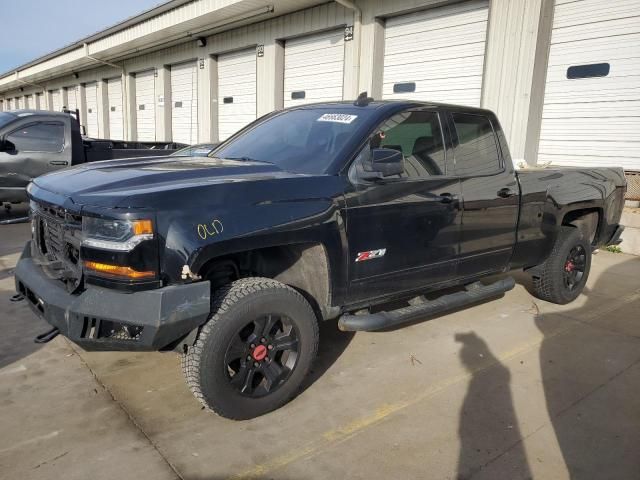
(564, 274)
(253, 354)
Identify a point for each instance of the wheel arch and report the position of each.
(303, 266)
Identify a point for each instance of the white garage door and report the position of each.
(56, 101)
(184, 103)
(20, 102)
(236, 91)
(72, 98)
(91, 92)
(39, 105)
(146, 106)
(314, 68)
(28, 101)
(591, 113)
(437, 55)
(116, 118)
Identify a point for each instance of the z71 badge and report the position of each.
(371, 254)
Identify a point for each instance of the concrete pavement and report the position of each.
(513, 388)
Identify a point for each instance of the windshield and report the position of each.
(200, 150)
(6, 118)
(300, 141)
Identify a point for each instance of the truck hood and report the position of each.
(124, 183)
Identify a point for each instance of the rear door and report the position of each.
(403, 231)
(489, 195)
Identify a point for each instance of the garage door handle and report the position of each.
(58, 162)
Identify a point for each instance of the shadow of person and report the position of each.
(590, 366)
(488, 426)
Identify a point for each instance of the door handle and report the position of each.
(58, 162)
(506, 193)
(446, 198)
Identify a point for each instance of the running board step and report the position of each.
(474, 293)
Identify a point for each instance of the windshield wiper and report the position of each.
(245, 159)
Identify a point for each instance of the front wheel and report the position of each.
(564, 274)
(254, 352)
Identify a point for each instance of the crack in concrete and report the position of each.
(126, 412)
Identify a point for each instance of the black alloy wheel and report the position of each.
(262, 355)
(574, 267)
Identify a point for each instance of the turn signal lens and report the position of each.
(116, 271)
(142, 227)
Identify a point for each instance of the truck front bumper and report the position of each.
(105, 319)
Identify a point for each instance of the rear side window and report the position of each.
(38, 137)
(477, 150)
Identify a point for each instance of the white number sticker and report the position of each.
(337, 118)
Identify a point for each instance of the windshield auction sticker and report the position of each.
(337, 118)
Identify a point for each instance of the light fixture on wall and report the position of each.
(76, 75)
(21, 89)
(201, 41)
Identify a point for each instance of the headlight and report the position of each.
(118, 235)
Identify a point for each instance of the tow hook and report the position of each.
(18, 297)
(46, 337)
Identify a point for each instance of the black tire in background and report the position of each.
(262, 333)
(564, 273)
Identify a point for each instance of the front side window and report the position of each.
(477, 151)
(419, 137)
(38, 137)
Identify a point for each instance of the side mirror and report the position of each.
(384, 163)
(7, 146)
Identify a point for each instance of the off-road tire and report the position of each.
(548, 282)
(233, 306)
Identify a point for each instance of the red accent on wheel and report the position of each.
(569, 266)
(259, 353)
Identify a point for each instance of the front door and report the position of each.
(36, 148)
(403, 231)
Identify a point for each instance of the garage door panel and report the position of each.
(593, 121)
(580, 160)
(237, 80)
(56, 101)
(595, 109)
(145, 106)
(184, 103)
(437, 17)
(590, 12)
(440, 50)
(438, 69)
(115, 108)
(72, 98)
(591, 148)
(91, 92)
(314, 65)
(460, 35)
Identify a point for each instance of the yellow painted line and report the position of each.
(339, 435)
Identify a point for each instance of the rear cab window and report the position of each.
(476, 147)
(47, 137)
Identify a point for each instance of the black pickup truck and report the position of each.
(35, 142)
(314, 213)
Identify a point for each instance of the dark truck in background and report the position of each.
(319, 212)
(35, 142)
